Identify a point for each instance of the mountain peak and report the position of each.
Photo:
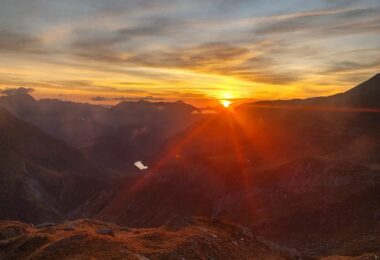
(372, 84)
(376, 77)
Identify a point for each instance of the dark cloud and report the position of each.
(17, 91)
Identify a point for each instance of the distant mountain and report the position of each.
(180, 238)
(112, 138)
(69, 121)
(171, 116)
(42, 178)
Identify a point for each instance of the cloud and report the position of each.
(342, 66)
(345, 66)
(153, 26)
(126, 98)
(201, 56)
(140, 47)
(17, 91)
(324, 22)
(20, 42)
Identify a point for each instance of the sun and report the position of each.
(225, 103)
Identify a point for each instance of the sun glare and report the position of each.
(225, 103)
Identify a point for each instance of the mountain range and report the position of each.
(304, 174)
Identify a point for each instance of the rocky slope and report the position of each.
(180, 238)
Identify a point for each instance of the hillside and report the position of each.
(180, 238)
(41, 178)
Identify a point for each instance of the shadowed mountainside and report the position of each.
(112, 138)
(41, 178)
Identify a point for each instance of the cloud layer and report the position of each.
(95, 50)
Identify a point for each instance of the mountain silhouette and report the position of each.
(364, 95)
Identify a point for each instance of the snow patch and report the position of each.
(140, 165)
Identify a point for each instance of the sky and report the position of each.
(200, 51)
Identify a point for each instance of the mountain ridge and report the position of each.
(364, 95)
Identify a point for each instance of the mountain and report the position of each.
(42, 178)
(305, 204)
(302, 173)
(72, 122)
(113, 138)
(297, 176)
(135, 131)
(23, 105)
(180, 238)
(365, 95)
(319, 206)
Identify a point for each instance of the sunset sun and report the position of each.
(226, 103)
(225, 99)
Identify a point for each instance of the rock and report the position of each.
(105, 231)
(45, 225)
(177, 222)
